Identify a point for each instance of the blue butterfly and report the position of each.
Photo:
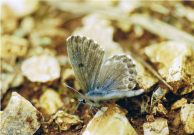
(101, 80)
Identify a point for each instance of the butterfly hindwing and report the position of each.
(117, 73)
(86, 58)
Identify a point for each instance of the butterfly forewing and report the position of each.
(86, 58)
(117, 73)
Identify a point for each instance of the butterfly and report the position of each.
(100, 79)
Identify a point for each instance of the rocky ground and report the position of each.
(34, 67)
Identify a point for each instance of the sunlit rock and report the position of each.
(174, 61)
(128, 6)
(144, 78)
(64, 120)
(176, 120)
(50, 101)
(11, 76)
(41, 68)
(187, 118)
(48, 32)
(12, 47)
(158, 95)
(161, 109)
(157, 127)
(26, 27)
(69, 74)
(21, 7)
(109, 121)
(179, 103)
(19, 117)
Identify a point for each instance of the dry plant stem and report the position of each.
(153, 71)
(82, 96)
(155, 26)
(162, 29)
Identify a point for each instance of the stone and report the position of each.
(42, 68)
(187, 118)
(144, 78)
(65, 120)
(50, 101)
(177, 69)
(157, 127)
(177, 120)
(161, 109)
(158, 95)
(19, 117)
(21, 8)
(179, 103)
(109, 120)
(11, 76)
(13, 46)
(26, 27)
(69, 74)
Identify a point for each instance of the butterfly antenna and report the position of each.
(66, 85)
(81, 95)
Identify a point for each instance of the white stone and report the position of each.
(65, 120)
(50, 101)
(158, 127)
(41, 68)
(177, 69)
(187, 118)
(109, 121)
(19, 117)
(21, 7)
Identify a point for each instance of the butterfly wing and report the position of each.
(116, 80)
(117, 73)
(86, 58)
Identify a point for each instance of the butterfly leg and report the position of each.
(80, 103)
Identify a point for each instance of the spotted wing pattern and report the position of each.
(117, 73)
(86, 58)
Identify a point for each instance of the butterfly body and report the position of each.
(102, 95)
(101, 80)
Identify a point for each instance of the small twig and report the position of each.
(151, 69)
(162, 29)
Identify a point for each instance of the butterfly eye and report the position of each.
(84, 101)
(81, 65)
